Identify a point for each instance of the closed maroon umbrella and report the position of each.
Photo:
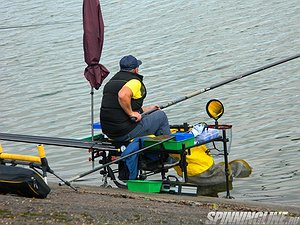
(93, 38)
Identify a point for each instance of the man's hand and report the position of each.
(147, 108)
(135, 116)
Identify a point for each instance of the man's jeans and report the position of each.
(154, 123)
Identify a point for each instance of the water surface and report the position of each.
(185, 46)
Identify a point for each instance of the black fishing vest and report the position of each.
(114, 121)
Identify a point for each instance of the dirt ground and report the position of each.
(95, 205)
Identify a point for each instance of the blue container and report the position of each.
(97, 125)
(181, 136)
(180, 139)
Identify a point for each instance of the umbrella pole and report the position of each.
(92, 121)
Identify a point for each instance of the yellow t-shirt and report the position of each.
(135, 86)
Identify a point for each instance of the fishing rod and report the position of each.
(117, 160)
(195, 93)
(64, 142)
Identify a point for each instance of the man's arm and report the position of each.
(124, 97)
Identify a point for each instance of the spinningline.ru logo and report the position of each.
(241, 218)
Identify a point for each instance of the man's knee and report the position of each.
(161, 115)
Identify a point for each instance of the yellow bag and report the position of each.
(198, 161)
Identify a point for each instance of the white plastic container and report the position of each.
(207, 135)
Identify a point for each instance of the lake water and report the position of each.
(185, 46)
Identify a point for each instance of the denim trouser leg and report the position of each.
(154, 123)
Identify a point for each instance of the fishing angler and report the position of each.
(123, 97)
(122, 106)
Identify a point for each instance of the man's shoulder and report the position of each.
(133, 84)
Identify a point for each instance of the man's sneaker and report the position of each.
(170, 162)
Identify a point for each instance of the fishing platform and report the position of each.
(112, 162)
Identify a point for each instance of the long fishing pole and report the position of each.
(117, 160)
(64, 142)
(195, 93)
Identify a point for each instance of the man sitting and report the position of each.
(122, 106)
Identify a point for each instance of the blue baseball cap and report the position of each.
(129, 62)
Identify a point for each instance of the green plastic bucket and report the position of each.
(146, 186)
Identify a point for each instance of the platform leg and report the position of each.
(227, 174)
